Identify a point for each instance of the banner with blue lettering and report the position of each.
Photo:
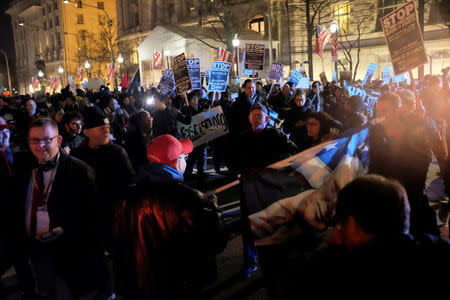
(370, 71)
(218, 76)
(204, 127)
(386, 74)
(295, 77)
(193, 65)
(369, 97)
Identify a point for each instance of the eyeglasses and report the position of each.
(46, 140)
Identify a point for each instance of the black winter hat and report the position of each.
(94, 118)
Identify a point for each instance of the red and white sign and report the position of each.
(80, 74)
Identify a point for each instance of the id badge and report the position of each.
(42, 221)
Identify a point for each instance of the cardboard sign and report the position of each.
(295, 77)
(404, 38)
(193, 65)
(276, 72)
(323, 78)
(345, 75)
(95, 83)
(369, 97)
(204, 127)
(218, 77)
(254, 59)
(167, 82)
(369, 74)
(304, 83)
(180, 73)
(386, 74)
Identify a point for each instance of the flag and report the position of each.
(156, 59)
(112, 69)
(80, 74)
(54, 82)
(163, 65)
(334, 52)
(125, 82)
(322, 37)
(35, 83)
(304, 185)
(222, 54)
(233, 59)
(135, 82)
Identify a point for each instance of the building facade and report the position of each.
(50, 34)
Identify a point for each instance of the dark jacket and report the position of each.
(163, 238)
(165, 121)
(297, 134)
(239, 112)
(73, 206)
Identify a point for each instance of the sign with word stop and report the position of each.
(254, 59)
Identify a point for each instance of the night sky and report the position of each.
(7, 39)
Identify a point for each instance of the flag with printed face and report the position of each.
(305, 185)
(322, 37)
(80, 74)
(222, 54)
(156, 59)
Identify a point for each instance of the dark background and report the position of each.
(6, 42)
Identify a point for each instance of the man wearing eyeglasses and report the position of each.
(59, 225)
(72, 136)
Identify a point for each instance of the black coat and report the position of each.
(72, 205)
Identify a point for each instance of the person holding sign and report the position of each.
(315, 99)
(280, 102)
(296, 117)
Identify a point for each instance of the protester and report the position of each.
(139, 134)
(321, 127)
(165, 118)
(72, 134)
(295, 122)
(315, 99)
(280, 102)
(60, 216)
(164, 233)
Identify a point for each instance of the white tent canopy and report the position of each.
(194, 41)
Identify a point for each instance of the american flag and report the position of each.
(305, 184)
(163, 64)
(334, 52)
(35, 83)
(80, 74)
(222, 54)
(322, 37)
(156, 59)
(111, 71)
(54, 82)
(233, 58)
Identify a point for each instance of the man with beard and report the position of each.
(72, 136)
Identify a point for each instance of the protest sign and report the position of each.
(304, 83)
(244, 70)
(369, 73)
(95, 83)
(193, 65)
(204, 126)
(323, 78)
(254, 59)
(404, 38)
(72, 85)
(218, 77)
(295, 77)
(234, 87)
(345, 75)
(180, 73)
(334, 76)
(386, 74)
(276, 71)
(369, 97)
(408, 78)
(167, 82)
(399, 78)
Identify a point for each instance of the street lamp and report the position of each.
(61, 71)
(236, 43)
(87, 65)
(40, 74)
(120, 60)
(334, 28)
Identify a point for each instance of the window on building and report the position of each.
(79, 4)
(341, 14)
(43, 10)
(49, 8)
(101, 5)
(56, 20)
(80, 19)
(134, 55)
(385, 7)
(56, 5)
(257, 25)
(58, 40)
(45, 25)
(102, 19)
(50, 24)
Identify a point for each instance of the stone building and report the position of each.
(50, 34)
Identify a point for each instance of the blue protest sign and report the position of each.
(399, 78)
(295, 77)
(370, 71)
(218, 76)
(167, 82)
(386, 74)
(193, 65)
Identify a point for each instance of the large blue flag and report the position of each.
(304, 186)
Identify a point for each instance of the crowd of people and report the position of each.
(96, 179)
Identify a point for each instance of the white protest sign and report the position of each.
(204, 127)
(408, 79)
(276, 72)
(304, 83)
(95, 83)
(386, 74)
(369, 73)
(369, 97)
(334, 76)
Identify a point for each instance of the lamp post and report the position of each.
(7, 69)
(236, 43)
(120, 61)
(41, 76)
(334, 28)
(87, 65)
(109, 35)
(61, 71)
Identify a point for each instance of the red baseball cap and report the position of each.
(165, 149)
